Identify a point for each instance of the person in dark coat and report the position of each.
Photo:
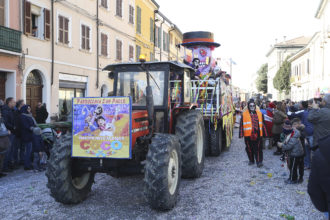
(41, 113)
(308, 131)
(18, 154)
(4, 143)
(37, 150)
(9, 119)
(278, 121)
(27, 126)
(319, 179)
(320, 118)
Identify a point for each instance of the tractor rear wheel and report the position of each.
(215, 143)
(65, 186)
(162, 172)
(191, 132)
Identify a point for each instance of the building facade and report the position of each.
(176, 51)
(144, 28)
(277, 54)
(10, 49)
(66, 44)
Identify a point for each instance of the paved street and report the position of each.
(228, 189)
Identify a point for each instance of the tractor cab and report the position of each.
(170, 84)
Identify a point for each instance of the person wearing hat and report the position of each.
(28, 128)
(269, 123)
(292, 145)
(252, 128)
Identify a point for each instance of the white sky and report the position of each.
(244, 28)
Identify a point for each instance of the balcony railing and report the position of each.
(10, 39)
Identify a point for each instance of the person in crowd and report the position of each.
(269, 123)
(278, 120)
(28, 127)
(1, 104)
(319, 179)
(295, 150)
(37, 150)
(307, 132)
(41, 113)
(320, 118)
(18, 154)
(9, 119)
(252, 128)
(4, 143)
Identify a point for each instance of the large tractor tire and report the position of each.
(65, 186)
(190, 130)
(215, 141)
(162, 172)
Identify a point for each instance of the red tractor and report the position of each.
(168, 137)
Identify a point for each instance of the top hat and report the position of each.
(196, 38)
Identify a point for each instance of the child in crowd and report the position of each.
(38, 151)
(293, 146)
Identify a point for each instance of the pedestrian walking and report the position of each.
(252, 128)
(319, 179)
(319, 116)
(9, 120)
(278, 120)
(4, 143)
(41, 113)
(28, 128)
(293, 147)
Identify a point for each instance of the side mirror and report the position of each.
(111, 75)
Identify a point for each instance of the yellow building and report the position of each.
(176, 51)
(144, 28)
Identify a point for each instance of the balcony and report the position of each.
(10, 39)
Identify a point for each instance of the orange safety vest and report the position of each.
(247, 123)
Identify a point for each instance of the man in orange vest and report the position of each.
(252, 128)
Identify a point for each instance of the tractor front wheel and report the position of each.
(162, 172)
(191, 132)
(66, 186)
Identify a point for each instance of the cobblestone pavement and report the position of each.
(228, 189)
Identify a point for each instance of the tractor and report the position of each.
(168, 137)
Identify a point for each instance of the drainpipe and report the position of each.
(169, 47)
(155, 11)
(52, 64)
(97, 45)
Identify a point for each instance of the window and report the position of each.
(151, 56)
(131, 53)
(85, 37)
(104, 3)
(131, 14)
(36, 21)
(138, 20)
(119, 8)
(156, 36)
(63, 29)
(171, 39)
(2, 13)
(137, 52)
(165, 41)
(119, 46)
(104, 44)
(134, 84)
(159, 38)
(151, 30)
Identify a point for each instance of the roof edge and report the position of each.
(320, 8)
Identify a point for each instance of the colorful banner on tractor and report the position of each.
(102, 127)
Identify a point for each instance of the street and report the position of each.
(228, 189)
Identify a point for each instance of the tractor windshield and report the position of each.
(134, 84)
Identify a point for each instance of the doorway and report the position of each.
(34, 90)
(2, 86)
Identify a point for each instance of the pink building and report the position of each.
(10, 49)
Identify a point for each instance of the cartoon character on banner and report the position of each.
(202, 62)
(91, 116)
(106, 129)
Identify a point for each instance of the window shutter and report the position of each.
(151, 30)
(88, 38)
(47, 24)
(27, 18)
(2, 12)
(66, 30)
(138, 20)
(160, 37)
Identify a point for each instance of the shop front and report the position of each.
(70, 86)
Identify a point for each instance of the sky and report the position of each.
(246, 29)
